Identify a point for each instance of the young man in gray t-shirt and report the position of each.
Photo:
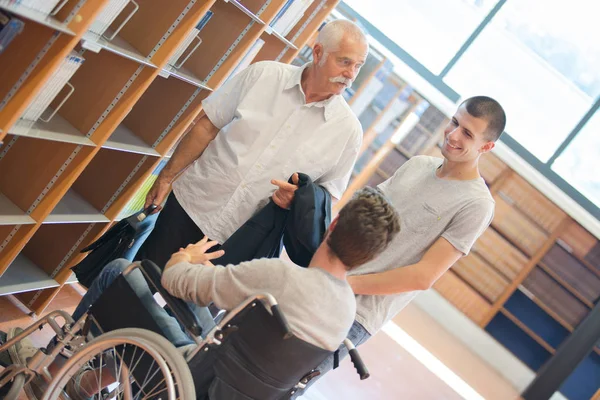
(444, 206)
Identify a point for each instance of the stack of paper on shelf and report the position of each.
(53, 87)
(109, 13)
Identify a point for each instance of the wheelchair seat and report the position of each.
(250, 354)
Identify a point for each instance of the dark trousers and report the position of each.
(173, 229)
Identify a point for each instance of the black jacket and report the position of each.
(302, 228)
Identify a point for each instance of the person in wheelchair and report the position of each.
(317, 301)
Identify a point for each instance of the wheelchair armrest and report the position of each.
(179, 308)
(359, 364)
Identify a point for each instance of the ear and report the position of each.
(487, 147)
(333, 223)
(318, 52)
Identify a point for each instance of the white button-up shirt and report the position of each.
(267, 131)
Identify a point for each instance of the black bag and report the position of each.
(110, 246)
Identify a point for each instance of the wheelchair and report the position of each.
(250, 354)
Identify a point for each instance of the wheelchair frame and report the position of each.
(73, 337)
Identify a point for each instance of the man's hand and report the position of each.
(284, 196)
(157, 194)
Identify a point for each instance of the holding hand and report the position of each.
(157, 194)
(284, 196)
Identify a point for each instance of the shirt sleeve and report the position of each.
(220, 107)
(468, 224)
(335, 181)
(226, 286)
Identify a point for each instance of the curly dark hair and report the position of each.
(365, 227)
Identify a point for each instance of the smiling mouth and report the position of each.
(452, 147)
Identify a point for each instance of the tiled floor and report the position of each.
(395, 372)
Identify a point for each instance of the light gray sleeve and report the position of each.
(468, 224)
(225, 286)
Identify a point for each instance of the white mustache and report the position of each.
(341, 79)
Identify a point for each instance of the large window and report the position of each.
(432, 31)
(538, 58)
(579, 163)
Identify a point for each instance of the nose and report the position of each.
(452, 135)
(349, 73)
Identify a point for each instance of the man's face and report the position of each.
(464, 137)
(341, 65)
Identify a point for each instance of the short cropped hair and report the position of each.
(331, 35)
(365, 227)
(489, 109)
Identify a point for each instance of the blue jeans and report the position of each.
(170, 325)
(357, 335)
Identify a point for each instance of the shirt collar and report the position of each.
(330, 106)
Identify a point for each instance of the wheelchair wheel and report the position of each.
(129, 364)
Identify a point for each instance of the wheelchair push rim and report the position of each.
(118, 354)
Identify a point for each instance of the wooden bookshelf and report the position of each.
(127, 112)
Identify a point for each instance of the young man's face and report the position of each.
(465, 138)
(341, 66)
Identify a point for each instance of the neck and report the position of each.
(325, 260)
(312, 87)
(460, 171)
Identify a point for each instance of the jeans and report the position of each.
(357, 335)
(170, 325)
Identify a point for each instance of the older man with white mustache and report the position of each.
(263, 125)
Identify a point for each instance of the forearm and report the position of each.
(190, 148)
(189, 282)
(395, 281)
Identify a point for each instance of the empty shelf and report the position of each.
(184, 75)
(243, 9)
(35, 16)
(58, 129)
(10, 214)
(94, 42)
(123, 139)
(72, 208)
(24, 276)
(72, 279)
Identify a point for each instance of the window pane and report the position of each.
(538, 58)
(578, 164)
(432, 31)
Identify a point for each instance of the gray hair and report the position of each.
(334, 32)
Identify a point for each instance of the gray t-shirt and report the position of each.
(319, 307)
(429, 208)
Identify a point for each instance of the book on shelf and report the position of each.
(53, 86)
(189, 38)
(137, 201)
(106, 17)
(10, 27)
(43, 6)
(294, 11)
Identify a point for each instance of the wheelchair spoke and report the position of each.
(147, 379)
